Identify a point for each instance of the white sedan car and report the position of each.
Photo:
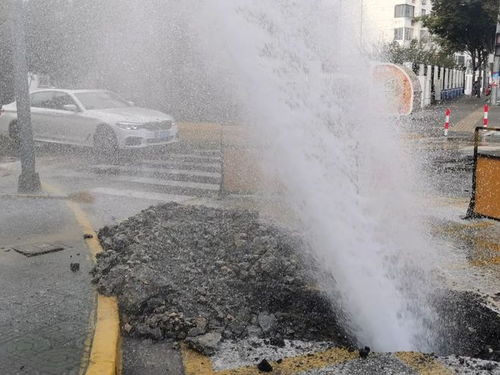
(93, 118)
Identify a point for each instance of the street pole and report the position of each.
(29, 181)
(496, 67)
(361, 10)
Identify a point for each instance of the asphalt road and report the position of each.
(46, 313)
(122, 187)
(45, 306)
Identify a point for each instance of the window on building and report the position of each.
(398, 33)
(408, 33)
(461, 60)
(424, 2)
(404, 10)
(424, 12)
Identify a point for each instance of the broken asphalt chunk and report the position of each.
(264, 366)
(363, 352)
(75, 267)
(206, 344)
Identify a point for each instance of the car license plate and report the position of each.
(163, 134)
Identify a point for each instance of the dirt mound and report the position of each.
(205, 274)
(191, 271)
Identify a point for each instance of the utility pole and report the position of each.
(29, 181)
(496, 65)
(361, 25)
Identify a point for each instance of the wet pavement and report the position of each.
(41, 294)
(149, 358)
(42, 335)
(45, 307)
(447, 162)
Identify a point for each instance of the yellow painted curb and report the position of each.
(105, 354)
(423, 364)
(197, 364)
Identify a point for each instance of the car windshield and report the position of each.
(100, 100)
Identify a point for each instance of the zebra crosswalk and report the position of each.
(170, 177)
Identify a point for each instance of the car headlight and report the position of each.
(128, 125)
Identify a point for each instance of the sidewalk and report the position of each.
(45, 307)
(466, 114)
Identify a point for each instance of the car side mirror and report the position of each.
(70, 107)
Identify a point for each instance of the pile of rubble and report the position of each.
(205, 274)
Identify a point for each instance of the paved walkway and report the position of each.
(45, 307)
(466, 114)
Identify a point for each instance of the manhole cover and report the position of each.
(38, 249)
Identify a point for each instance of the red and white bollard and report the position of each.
(485, 118)
(447, 121)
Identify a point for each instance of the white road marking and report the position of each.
(142, 194)
(134, 168)
(207, 151)
(166, 164)
(195, 156)
(157, 181)
(144, 180)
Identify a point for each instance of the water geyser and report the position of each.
(296, 72)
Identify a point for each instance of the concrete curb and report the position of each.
(105, 353)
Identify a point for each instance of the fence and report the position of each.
(440, 84)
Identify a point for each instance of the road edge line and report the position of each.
(105, 354)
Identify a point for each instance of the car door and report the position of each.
(42, 116)
(64, 120)
(70, 122)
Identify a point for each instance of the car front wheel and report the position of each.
(105, 144)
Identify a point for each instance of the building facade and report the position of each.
(385, 21)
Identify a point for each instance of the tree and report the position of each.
(140, 49)
(6, 66)
(62, 37)
(465, 25)
(418, 53)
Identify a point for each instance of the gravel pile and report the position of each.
(205, 274)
